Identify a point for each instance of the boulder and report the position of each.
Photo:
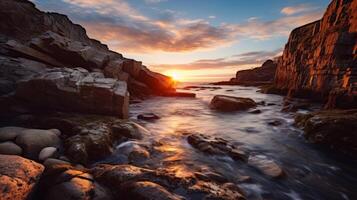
(10, 148)
(129, 130)
(146, 190)
(216, 146)
(266, 166)
(230, 103)
(10, 133)
(78, 90)
(18, 177)
(47, 152)
(336, 129)
(32, 141)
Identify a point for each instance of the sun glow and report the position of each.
(175, 75)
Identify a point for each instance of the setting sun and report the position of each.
(175, 75)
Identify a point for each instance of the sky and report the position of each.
(193, 40)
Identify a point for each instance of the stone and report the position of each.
(230, 103)
(47, 152)
(32, 141)
(138, 154)
(49, 162)
(256, 111)
(148, 116)
(18, 177)
(146, 190)
(129, 130)
(179, 94)
(78, 90)
(216, 146)
(10, 148)
(10, 133)
(336, 129)
(266, 166)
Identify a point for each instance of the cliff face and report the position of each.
(320, 58)
(257, 76)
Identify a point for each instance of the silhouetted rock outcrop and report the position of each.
(319, 60)
(258, 76)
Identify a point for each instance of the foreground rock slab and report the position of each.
(18, 177)
(230, 103)
(336, 129)
(78, 90)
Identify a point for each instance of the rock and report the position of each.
(9, 133)
(256, 111)
(138, 154)
(49, 162)
(179, 94)
(146, 190)
(336, 129)
(275, 123)
(92, 143)
(148, 116)
(18, 177)
(76, 188)
(216, 146)
(319, 60)
(10, 148)
(229, 103)
(78, 90)
(258, 76)
(32, 141)
(47, 152)
(129, 130)
(266, 166)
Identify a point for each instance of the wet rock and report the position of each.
(210, 176)
(49, 162)
(275, 123)
(266, 166)
(78, 90)
(32, 141)
(229, 103)
(335, 129)
(138, 154)
(215, 191)
(257, 111)
(146, 190)
(216, 146)
(10, 148)
(129, 130)
(9, 133)
(179, 94)
(295, 105)
(18, 177)
(148, 116)
(47, 152)
(92, 143)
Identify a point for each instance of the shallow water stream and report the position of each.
(310, 172)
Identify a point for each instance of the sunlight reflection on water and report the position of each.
(310, 173)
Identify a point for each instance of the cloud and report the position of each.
(211, 17)
(126, 29)
(301, 8)
(154, 1)
(234, 62)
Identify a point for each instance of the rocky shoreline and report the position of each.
(64, 101)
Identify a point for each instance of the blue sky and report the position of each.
(200, 40)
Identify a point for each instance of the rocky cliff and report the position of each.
(66, 69)
(257, 76)
(320, 58)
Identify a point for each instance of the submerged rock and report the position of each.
(18, 177)
(216, 146)
(335, 128)
(230, 103)
(148, 116)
